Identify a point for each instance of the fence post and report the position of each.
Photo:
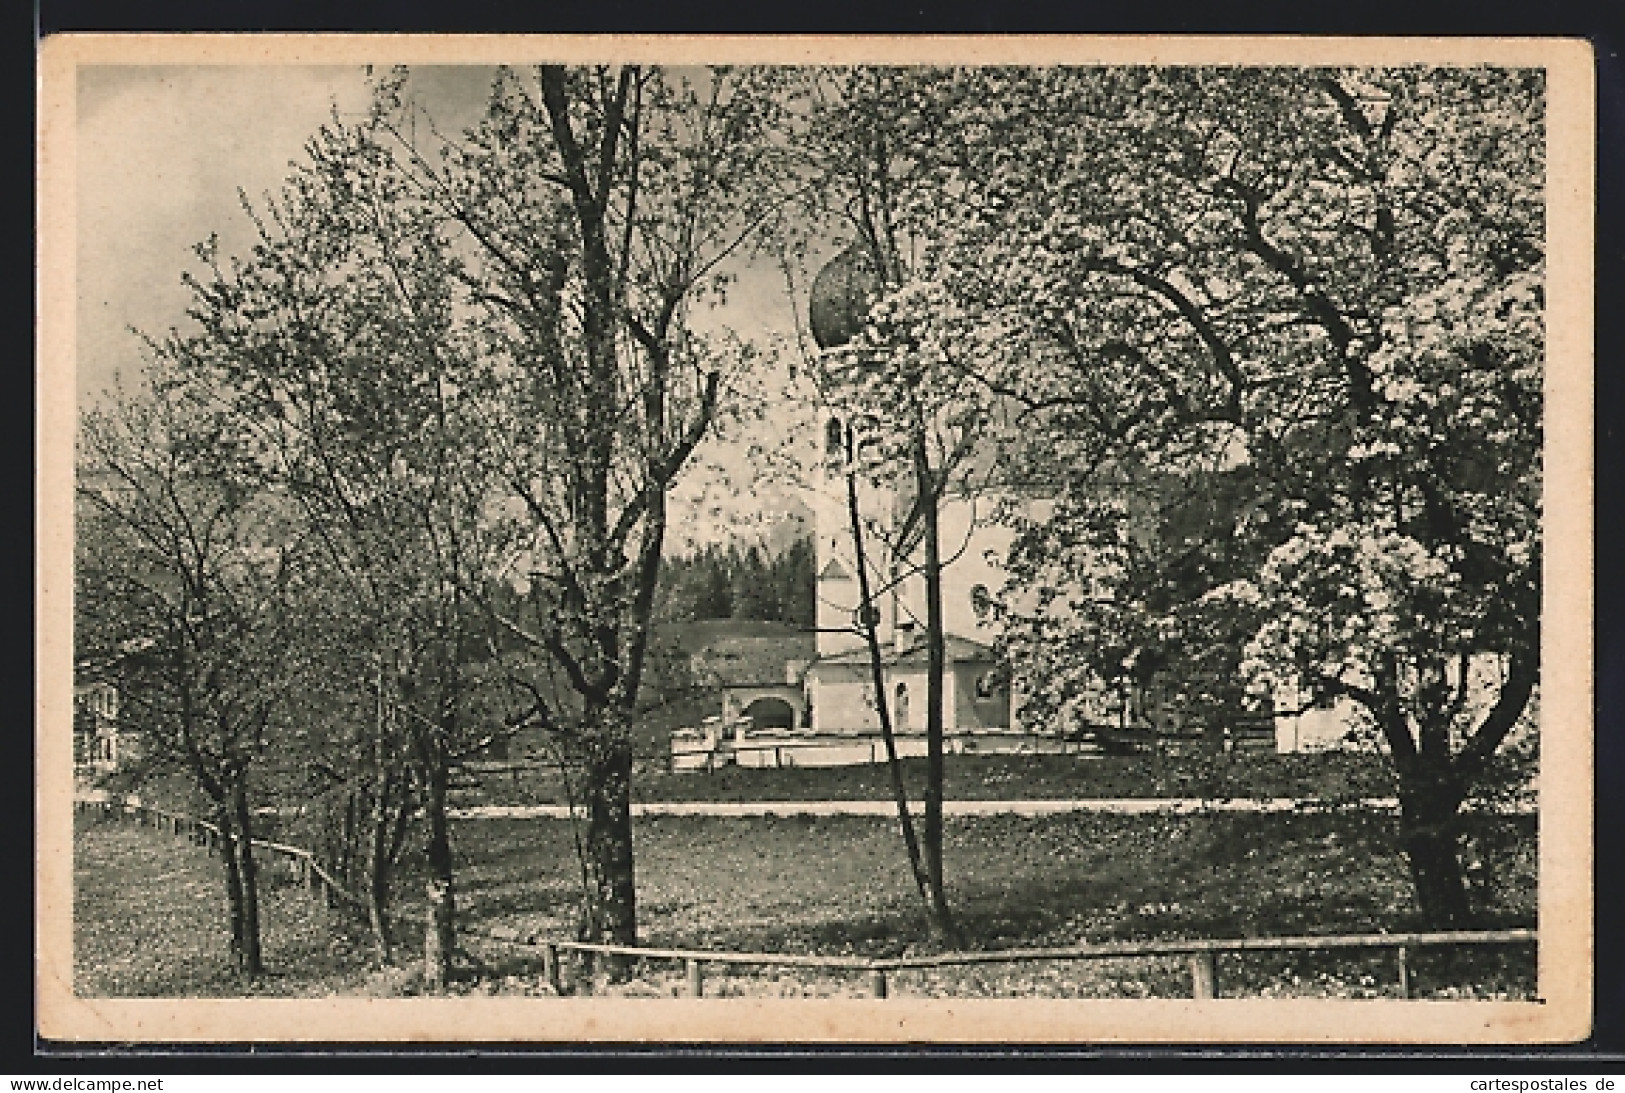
(1404, 973)
(696, 979)
(1204, 976)
(877, 982)
(435, 957)
(550, 967)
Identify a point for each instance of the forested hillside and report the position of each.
(730, 583)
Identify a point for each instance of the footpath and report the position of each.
(1044, 807)
(1123, 806)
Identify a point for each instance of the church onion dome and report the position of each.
(840, 297)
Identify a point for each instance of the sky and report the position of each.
(163, 153)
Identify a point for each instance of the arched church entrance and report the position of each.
(771, 713)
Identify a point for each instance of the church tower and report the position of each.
(837, 593)
(839, 299)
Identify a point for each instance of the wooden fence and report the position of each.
(1201, 953)
(301, 863)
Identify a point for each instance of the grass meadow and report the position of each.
(149, 908)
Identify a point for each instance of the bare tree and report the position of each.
(333, 347)
(593, 211)
(184, 593)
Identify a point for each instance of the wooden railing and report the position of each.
(301, 862)
(1201, 953)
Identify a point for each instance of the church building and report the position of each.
(840, 682)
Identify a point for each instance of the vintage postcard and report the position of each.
(813, 540)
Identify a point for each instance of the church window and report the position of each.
(834, 445)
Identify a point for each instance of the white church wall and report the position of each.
(974, 547)
(842, 699)
(836, 593)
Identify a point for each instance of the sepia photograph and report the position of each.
(815, 540)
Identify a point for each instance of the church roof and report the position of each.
(958, 650)
(743, 652)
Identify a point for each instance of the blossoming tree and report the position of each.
(1320, 291)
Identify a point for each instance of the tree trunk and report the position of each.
(877, 671)
(942, 922)
(1433, 782)
(347, 851)
(234, 887)
(377, 886)
(251, 963)
(440, 931)
(377, 861)
(1429, 833)
(611, 915)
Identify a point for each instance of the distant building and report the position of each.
(757, 669)
(840, 682)
(840, 688)
(837, 715)
(977, 693)
(97, 747)
(787, 700)
(817, 705)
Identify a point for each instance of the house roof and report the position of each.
(738, 652)
(959, 651)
